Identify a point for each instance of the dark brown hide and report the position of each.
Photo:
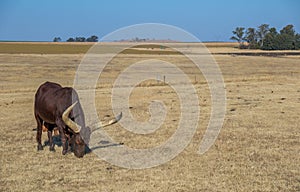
(51, 101)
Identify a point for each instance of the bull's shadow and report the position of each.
(57, 141)
(102, 144)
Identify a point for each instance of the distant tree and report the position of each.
(288, 35)
(271, 40)
(273, 31)
(297, 41)
(251, 38)
(287, 39)
(262, 32)
(239, 36)
(268, 38)
(288, 30)
(57, 39)
(71, 39)
(80, 39)
(286, 42)
(92, 38)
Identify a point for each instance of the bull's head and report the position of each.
(77, 141)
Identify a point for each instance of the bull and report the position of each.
(57, 106)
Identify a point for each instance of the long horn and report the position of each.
(65, 117)
(112, 121)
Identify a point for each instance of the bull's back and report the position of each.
(46, 101)
(51, 100)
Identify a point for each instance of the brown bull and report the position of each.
(57, 106)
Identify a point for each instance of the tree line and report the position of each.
(267, 38)
(92, 38)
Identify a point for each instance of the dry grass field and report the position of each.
(258, 148)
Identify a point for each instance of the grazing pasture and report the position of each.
(258, 148)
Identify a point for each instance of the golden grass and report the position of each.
(150, 49)
(77, 47)
(43, 48)
(257, 149)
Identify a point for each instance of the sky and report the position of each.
(211, 20)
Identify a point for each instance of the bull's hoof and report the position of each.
(52, 149)
(64, 152)
(40, 147)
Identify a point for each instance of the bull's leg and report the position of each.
(51, 144)
(39, 132)
(61, 127)
(50, 128)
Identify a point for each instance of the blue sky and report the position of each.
(212, 20)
